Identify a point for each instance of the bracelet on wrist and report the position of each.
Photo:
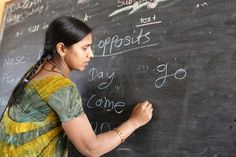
(122, 139)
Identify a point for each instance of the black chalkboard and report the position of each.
(179, 54)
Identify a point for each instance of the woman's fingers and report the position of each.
(148, 106)
(142, 113)
(145, 104)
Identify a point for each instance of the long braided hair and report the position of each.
(65, 29)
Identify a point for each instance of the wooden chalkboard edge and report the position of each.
(3, 18)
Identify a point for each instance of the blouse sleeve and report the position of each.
(66, 102)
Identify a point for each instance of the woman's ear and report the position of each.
(61, 49)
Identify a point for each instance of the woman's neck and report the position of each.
(58, 66)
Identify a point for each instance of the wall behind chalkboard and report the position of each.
(179, 54)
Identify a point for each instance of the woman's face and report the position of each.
(79, 54)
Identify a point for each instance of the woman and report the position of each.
(45, 108)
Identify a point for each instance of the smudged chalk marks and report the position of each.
(82, 1)
(136, 6)
(199, 5)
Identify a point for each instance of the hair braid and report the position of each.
(19, 89)
(35, 67)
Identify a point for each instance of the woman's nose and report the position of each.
(91, 55)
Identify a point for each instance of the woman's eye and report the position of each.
(84, 48)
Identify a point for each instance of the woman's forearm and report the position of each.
(107, 141)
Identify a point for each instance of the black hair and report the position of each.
(65, 29)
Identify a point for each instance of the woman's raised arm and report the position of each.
(89, 144)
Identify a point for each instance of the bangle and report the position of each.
(120, 134)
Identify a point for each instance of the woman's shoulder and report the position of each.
(50, 84)
(54, 80)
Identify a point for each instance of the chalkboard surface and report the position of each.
(179, 54)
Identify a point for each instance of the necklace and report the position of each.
(55, 65)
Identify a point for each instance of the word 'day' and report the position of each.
(106, 78)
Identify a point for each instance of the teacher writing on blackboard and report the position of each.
(45, 108)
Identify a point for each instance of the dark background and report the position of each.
(183, 60)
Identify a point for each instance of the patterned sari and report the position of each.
(33, 128)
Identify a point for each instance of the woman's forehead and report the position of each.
(87, 39)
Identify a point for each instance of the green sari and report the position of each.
(33, 128)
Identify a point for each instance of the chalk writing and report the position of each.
(85, 18)
(95, 74)
(17, 12)
(106, 104)
(139, 39)
(14, 18)
(151, 20)
(14, 61)
(127, 50)
(31, 29)
(147, 19)
(163, 68)
(19, 33)
(34, 11)
(123, 149)
(9, 79)
(142, 68)
(199, 5)
(117, 88)
(134, 6)
(24, 4)
(100, 127)
(45, 25)
(82, 1)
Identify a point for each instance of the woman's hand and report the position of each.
(141, 114)
(80, 132)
